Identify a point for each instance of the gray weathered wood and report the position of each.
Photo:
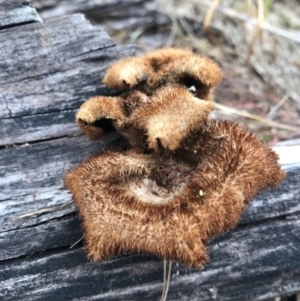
(240, 269)
(60, 68)
(16, 12)
(34, 128)
(32, 178)
(47, 70)
(112, 14)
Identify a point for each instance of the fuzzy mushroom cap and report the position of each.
(170, 115)
(127, 73)
(170, 207)
(96, 116)
(165, 118)
(164, 67)
(163, 86)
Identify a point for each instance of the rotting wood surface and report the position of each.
(16, 13)
(112, 14)
(47, 70)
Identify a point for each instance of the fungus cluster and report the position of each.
(185, 177)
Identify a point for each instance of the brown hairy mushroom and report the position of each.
(186, 177)
(127, 73)
(97, 115)
(171, 114)
(100, 115)
(163, 67)
(166, 117)
(171, 206)
(144, 79)
(141, 72)
(199, 74)
(160, 59)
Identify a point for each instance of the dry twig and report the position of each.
(263, 120)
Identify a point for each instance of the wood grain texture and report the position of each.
(242, 267)
(56, 72)
(32, 178)
(111, 14)
(17, 12)
(47, 70)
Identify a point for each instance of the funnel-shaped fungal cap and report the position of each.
(194, 72)
(97, 115)
(160, 59)
(170, 207)
(171, 114)
(127, 73)
(163, 67)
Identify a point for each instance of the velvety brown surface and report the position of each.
(186, 178)
(163, 67)
(176, 224)
(163, 76)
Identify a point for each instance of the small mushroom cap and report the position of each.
(172, 114)
(95, 116)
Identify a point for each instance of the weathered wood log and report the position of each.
(68, 51)
(240, 268)
(16, 12)
(47, 70)
(112, 14)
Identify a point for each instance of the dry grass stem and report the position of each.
(168, 9)
(173, 33)
(263, 120)
(41, 211)
(275, 108)
(209, 14)
(166, 281)
(258, 29)
(78, 241)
